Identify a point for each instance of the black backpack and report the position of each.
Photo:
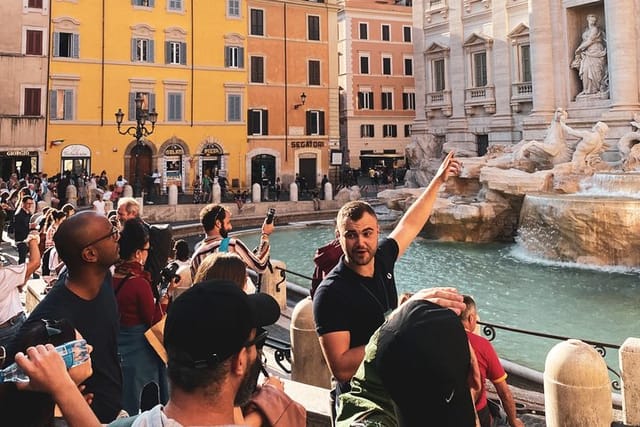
(160, 245)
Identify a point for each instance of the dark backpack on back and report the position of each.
(160, 245)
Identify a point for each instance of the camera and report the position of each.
(167, 274)
(271, 215)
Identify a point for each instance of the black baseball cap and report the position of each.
(423, 360)
(212, 321)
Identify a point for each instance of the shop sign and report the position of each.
(210, 150)
(174, 150)
(76, 151)
(307, 144)
(20, 153)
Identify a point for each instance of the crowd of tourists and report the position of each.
(131, 333)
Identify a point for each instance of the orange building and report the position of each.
(292, 117)
(376, 81)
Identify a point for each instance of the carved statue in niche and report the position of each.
(590, 60)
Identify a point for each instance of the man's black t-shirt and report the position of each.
(97, 321)
(346, 301)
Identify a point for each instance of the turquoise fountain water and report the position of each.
(511, 289)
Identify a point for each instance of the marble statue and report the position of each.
(554, 149)
(591, 60)
(629, 146)
(419, 155)
(590, 146)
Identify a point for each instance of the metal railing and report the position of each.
(489, 330)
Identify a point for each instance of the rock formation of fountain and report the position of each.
(556, 197)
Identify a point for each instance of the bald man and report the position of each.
(88, 245)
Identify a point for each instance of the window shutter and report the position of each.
(250, 121)
(227, 54)
(53, 103)
(265, 122)
(133, 49)
(167, 52)
(240, 57)
(76, 46)
(183, 53)
(320, 122)
(133, 2)
(361, 131)
(152, 3)
(56, 44)
(68, 105)
(360, 100)
(152, 101)
(309, 123)
(371, 100)
(150, 54)
(132, 106)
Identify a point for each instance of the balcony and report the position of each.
(520, 93)
(440, 100)
(484, 97)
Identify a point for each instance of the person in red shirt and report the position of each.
(490, 368)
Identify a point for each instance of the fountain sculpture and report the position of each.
(557, 197)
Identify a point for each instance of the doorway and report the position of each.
(482, 142)
(140, 167)
(307, 167)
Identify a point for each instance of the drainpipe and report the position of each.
(102, 69)
(46, 90)
(286, 92)
(193, 61)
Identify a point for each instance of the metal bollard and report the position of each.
(308, 365)
(576, 387)
(630, 365)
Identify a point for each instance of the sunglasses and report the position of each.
(114, 234)
(73, 353)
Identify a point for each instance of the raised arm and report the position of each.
(418, 213)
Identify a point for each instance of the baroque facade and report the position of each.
(494, 71)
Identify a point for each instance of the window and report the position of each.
(32, 101)
(61, 104)
(174, 107)
(365, 100)
(366, 131)
(148, 103)
(142, 50)
(257, 22)
(258, 122)
(364, 65)
(257, 69)
(407, 131)
(408, 66)
(175, 53)
(174, 5)
(389, 131)
(313, 27)
(314, 73)
(387, 100)
(525, 59)
(406, 34)
(480, 69)
(145, 3)
(364, 31)
(438, 75)
(34, 4)
(234, 57)
(66, 45)
(233, 8)
(408, 101)
(386, 65)
(386, 32)
(34, 42)
(234, 107)
(315, 122)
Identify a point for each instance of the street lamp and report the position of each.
(138, 132)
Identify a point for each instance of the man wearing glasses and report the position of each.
(216, 221)
(87, 243)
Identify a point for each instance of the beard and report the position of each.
(224, 232)
(249, 383)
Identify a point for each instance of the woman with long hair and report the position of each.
(139, 308)
(55, 218)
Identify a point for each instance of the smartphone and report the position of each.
(271, 214)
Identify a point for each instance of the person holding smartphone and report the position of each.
(216, 221)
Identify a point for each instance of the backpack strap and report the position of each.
(224, 245)
(127, 277)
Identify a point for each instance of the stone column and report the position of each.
(630, 366)
(541, 38)
(622, 40)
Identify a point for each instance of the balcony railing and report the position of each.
(522, 91)
(440, 100)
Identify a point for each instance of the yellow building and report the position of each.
(185, 59)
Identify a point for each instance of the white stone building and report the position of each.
(494, 71)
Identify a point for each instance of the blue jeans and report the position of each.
(7, 334)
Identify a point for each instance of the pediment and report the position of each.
(521, 30)
(476, 39)
(436, 48)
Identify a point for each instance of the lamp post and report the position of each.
(138, 132)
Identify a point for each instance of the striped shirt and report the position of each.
(257, 260)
